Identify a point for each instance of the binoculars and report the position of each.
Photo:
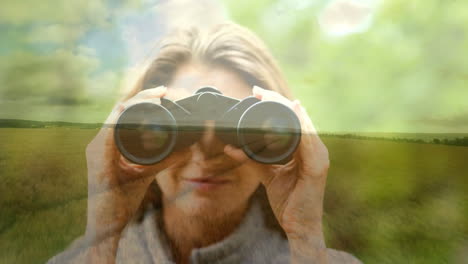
(268, 132)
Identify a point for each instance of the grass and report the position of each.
(386, 201)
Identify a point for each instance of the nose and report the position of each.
(209, 145)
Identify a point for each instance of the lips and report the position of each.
(213, 180)
(202, 184)
(207, 183)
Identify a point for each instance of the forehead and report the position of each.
(191, 77)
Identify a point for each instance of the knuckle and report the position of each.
(326, 166)
(90, 147)
(325, 158)
(270, 92)
(325, 152)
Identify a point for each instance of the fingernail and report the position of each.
(157, 87)
(228, 148)
(257, 89)
(120, 106)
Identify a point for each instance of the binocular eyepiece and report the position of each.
(268, 132)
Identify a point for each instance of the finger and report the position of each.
(156, 92)
(135, 101)
(267, 95)
(114, 114)
(307, 127)
(296, 106)
(312, 151)
(129, 167)
(236, 154)
(152, 95)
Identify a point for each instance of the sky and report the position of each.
(72, 60)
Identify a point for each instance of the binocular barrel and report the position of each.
(267, 131)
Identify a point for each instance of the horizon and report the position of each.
(320, 132)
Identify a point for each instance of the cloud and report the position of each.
(142, 29)
(343, 17)
(458, 121)
(53, 11)
(55, 34)
(57, 78)
(103, 85)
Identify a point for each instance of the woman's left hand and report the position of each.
(296, 190)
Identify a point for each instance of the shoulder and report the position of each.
(341, 257)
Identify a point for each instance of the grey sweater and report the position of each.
(252, 242)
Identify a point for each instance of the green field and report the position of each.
(386, 201)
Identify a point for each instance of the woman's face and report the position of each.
(209, 183)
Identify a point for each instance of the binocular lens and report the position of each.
(145, 133)
(276, 136)
(266, 138)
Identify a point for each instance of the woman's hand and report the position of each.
(116, 186)
(296, 190)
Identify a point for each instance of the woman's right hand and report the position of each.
(116, 186)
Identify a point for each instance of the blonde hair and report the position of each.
(228, 45)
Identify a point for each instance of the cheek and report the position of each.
(167, 182)
(248, 182)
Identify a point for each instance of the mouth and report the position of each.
(211, 174)
(207, 183)
(211, 179)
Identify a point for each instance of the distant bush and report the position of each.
(18, 123)
(459, 141)
(462, 141)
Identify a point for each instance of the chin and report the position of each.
(197, 205)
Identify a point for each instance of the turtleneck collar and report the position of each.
(149, 235)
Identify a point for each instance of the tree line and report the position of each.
(458, 141)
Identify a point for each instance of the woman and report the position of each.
(207, 203)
